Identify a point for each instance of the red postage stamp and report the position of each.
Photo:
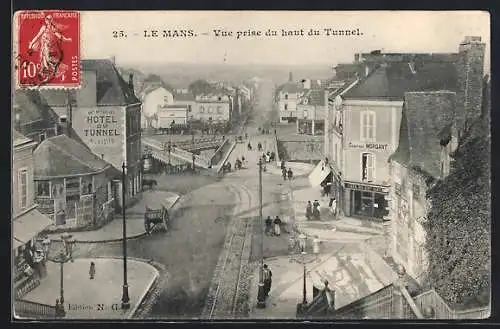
(48, 45)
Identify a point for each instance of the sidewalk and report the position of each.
(113, 231)
(99, 298)
(345, 270)
(299, 169)
(345, 228)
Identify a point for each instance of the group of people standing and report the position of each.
(286, 173)
(273, 230)
(313, 209)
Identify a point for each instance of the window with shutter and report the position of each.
(368, 120)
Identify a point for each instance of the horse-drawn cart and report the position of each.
(156, 217)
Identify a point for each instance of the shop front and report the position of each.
(365, 201)
(28, 257)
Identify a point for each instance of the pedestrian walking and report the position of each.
(282, 164)
(333, 207)
(290, 174)
(268, 280)
(309, 210)
(269, 225)
(283, 172)
(92, 270)
(277, 226)
(316, 210)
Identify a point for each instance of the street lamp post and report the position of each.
(125, 296)
(193, 157)
(169, 149)
(302, 258)
(261, 296)
(64, 255)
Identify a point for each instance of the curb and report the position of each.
(130, 237)
(150, 285)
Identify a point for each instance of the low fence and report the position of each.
(441, 310)
(28, 309)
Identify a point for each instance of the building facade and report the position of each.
(73, 186)
(369, 138)
(431, 126)
(185, 98)
(154, 100)
(213, 108)
(287, 97)
(105, 115)
(27, 221)
(169, 115)
(312, 110)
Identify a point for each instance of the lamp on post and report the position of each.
(301, 256)
(261, 295)
(125, 296)
(64, 255)
(169, 149)
(194, 158)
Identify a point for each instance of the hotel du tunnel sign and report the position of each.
(368, 146)
(101, 126)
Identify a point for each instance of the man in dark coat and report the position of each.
(283, 173)
(290, 174)
(269, 225)
(267, 279)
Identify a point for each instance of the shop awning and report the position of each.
(29, 225)
(318, 175)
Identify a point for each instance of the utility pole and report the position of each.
(125, 297)
(261, 296)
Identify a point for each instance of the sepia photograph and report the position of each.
(250, 165)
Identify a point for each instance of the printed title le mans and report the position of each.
(252, 33)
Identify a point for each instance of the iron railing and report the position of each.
(28, 309)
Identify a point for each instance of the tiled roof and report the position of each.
(111, 88)
(152, 82)
(63, 156)
(392, 80)
(426, 120)
(183, 97)
(289, 87)
(19, 138)
(29, 105)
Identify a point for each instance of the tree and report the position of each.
(459, 221)
(201, 87)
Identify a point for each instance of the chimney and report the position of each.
(290, 77)
(131, 81)
(470, 69)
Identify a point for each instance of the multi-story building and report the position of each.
(213, 108)
(185, 98)
(287, 97)
(370, 115)
(73, 186)
(27, 221)
(432, 123)
(154, 99)
(105, 115)
(311, 112)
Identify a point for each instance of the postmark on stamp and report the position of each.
(48, 49)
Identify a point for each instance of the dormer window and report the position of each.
(286, 96)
